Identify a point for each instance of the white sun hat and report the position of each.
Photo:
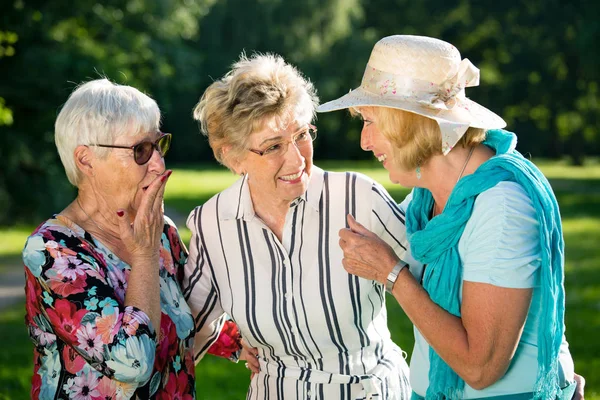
(425, 76)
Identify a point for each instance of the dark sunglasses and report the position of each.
(142, 152)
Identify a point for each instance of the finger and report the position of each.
(346, 234)
(160, 195)
(253, 364)
(357, 227)
(152, 191)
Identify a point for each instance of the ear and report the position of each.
(84, 157)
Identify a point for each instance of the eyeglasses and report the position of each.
(142, 152)
(301, 140)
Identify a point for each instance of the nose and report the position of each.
(365, 140)
(156, 163)
(293, 154)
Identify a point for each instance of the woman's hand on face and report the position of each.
(250, 355)
(365, 254)
(142, 236)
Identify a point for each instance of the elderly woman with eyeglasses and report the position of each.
(265, 249)
(104, 307)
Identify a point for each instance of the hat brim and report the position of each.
(464, 111)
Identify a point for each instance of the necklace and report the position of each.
(86, 214)
(462, 171)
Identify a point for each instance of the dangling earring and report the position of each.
(418, 170)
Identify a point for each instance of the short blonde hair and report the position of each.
(98, 112)
(415, 138)
(258, 90)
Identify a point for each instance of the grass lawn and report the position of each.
(578, 193)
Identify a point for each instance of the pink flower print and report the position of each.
(118, 280)
(57, 251)
(68, 267)
(83, 387)
(130, 324)
(384, 87)
(166, 260)
(109, 324)
(66, 287)
(65, 319)
(72, 359)
(176, 387)
(107, 388)
(90, 342)
(43, 338)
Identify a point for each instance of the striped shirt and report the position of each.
(321, 333)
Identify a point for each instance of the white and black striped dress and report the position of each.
(321, 333)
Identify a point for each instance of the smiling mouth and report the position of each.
(291, 178)
(381, 158)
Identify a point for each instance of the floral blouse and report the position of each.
(88, 344)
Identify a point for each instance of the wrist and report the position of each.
(393, 275)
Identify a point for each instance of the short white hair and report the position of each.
(98, 112)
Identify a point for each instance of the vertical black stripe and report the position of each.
(319, 361)
(326, 283)
(353, 281)
(224, 255)
(203, 240)
(278, 301)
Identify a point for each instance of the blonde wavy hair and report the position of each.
(415, 138)
(259, 90)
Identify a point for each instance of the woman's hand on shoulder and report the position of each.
(142, 236)
(578, 395)
(365, 254)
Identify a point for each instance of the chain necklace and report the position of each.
(462, 171)
(90, 218)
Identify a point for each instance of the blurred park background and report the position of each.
(540, 70)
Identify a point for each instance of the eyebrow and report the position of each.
(278, 138)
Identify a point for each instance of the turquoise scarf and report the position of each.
(435, 243)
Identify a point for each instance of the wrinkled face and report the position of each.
(119, 180)
(371, 139)
(283, 171)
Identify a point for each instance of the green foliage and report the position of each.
(538, 69)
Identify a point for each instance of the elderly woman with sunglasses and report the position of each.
(265, 249)
(489, 313)
(104, 307)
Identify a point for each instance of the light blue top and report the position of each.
(500, 246)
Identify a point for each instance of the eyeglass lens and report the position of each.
(143, 151)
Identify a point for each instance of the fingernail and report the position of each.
(166, 175)
(120, 213)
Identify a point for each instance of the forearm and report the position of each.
(143, 289)
(466, 354)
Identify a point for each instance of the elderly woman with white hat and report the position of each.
(483, 221)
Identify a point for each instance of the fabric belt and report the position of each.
(372, 382)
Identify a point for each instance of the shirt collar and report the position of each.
(236, 202)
